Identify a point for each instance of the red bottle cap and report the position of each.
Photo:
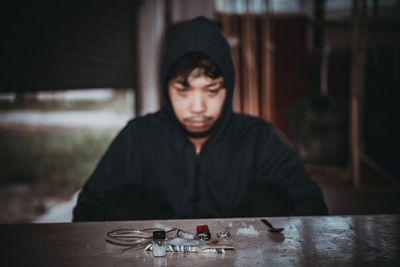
(203, 233)
(202, 228)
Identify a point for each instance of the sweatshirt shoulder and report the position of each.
(149, 121)
(247, 126)
(250, 123)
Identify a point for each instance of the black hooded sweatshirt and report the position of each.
(154, 154)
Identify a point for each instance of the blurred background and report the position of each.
(324, 72)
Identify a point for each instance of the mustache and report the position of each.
(197, 117)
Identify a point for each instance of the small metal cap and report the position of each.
(159, 235)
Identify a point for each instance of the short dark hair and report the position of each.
(191, 61)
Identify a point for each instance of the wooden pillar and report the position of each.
(267, 102)
(356, 87)
(230, 26)
(358, 48)
(250, 70)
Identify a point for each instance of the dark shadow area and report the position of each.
(265, 201)
(318, 127)
(131, 202)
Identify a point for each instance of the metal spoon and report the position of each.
(271, 228)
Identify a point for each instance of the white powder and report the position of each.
(159, 250)
(247, 231)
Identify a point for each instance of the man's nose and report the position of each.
(197, 103)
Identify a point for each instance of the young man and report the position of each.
(196, 158)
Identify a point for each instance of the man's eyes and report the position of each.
(181, 90)
(215, 91)
(211, 91)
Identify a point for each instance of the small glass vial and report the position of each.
(159, 244)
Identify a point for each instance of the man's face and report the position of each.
(197, 102)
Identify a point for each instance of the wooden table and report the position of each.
(306, 241)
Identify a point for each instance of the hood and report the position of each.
(199, 35)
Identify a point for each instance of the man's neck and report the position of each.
(198, 143)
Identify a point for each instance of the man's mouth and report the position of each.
(197, 123)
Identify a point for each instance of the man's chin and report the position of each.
(198, 133)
